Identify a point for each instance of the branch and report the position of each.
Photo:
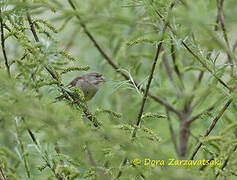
(147, 88)
(222, 22)
(43, 156)
(116, 67)
(205, 66)
(32, 28)
(3, 45)
(210, 128)
(227, 160)
(176, 68)
(2, 174)
(121, 167)
(198, 115)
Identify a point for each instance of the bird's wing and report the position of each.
(73, 82)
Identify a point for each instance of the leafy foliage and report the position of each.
(191, 98)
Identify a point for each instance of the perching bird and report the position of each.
(88, 83)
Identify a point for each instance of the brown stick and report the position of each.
(147, 88)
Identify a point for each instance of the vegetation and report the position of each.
(170, 94)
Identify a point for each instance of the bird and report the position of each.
(88, 83)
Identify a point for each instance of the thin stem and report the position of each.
(223, 28)
(198, 115)
(3, 45)
(2, 174)
(174, 59)
(43, 156)
(211, 127)
(205, 66)
(121, 167)
(32, 28)
(23, 152)
(147, 88)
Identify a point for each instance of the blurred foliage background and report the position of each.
(191, 99)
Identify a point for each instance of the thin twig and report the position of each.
(222, 22)
(32, 27)
(205, 66)
(176, 68)
(147, 88)
(116, 67)
(2, 174)
(229, 157)
(43, 156)
(210, 128)
(121, 167)
(3, 45)
(226, 161)
(23, 153)
(199, 115)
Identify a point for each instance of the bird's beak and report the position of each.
(102, 79)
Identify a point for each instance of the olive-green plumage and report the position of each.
(88, 83)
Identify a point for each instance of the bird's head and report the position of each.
(94, 78)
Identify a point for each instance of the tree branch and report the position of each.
(213, 124)
(147, 88)
(3, 45)
(222, 22)
(198, 115)
(205, 66)
(2, 174)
